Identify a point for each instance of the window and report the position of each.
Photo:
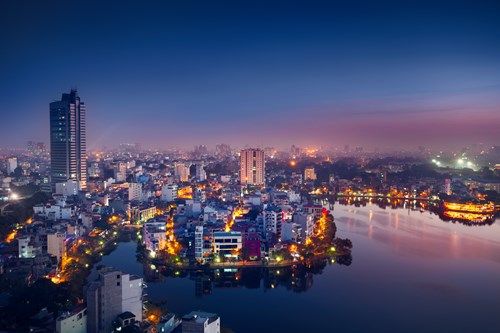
(118, 284)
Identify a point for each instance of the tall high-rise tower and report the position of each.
(252, 167)
(68, 142)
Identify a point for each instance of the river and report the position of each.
(410, 272)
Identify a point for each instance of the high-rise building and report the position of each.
(68, 142)
(252, 168)
(182, 171)
(135, 191)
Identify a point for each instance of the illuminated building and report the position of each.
(252, 167)
(309, 174)
(68, 141)
(225, 244)
(182, 172)
(142, 214)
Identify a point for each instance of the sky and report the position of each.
(396, 74)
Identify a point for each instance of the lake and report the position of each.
(410, 272)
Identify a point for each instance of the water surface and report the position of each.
(411, 272)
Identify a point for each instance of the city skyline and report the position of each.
(389, 75)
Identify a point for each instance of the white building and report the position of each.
(154, 236)
(135, 192)
(11, 165)
(226, 244)
(59, 211)
(113, 293)
(26, 246)
(211, 214)
(56, 244)
(273, 218)
(169, 192)
(201, 322)
(198, 243)
(73, 322)
(68, 188)
(316, 210)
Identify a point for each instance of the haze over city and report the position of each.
(384, 74)
(183, 166)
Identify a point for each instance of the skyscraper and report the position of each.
(68, 143)
(252, 167)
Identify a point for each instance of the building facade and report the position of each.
(113, 293)
(68, 141)
(227, 244)
(252, 167)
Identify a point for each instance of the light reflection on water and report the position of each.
(411, 272)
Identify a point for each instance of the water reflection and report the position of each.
(465, 218)
(417, 277)
(295, 278)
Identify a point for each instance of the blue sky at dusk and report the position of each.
(179, 73)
